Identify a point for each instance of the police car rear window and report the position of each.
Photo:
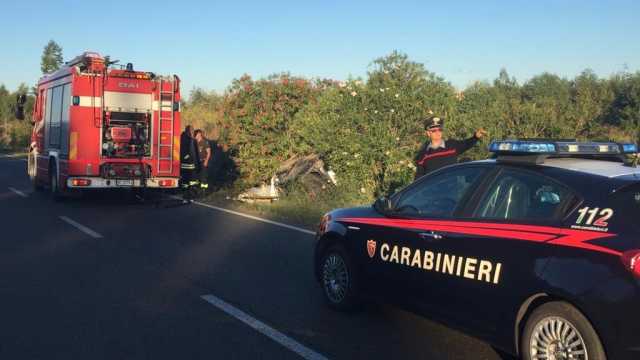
(516, 195)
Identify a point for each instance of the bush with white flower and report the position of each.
(380, 142)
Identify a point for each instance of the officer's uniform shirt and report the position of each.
(431, 158)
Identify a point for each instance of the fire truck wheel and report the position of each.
(32, 170)
(54, 185)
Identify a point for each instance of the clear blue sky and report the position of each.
(209, 43)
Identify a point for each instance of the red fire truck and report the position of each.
(98, 126)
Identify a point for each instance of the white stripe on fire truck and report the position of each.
(95, 101)
(91, 101)
(165, 104)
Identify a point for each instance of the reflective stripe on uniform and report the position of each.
(188, 166)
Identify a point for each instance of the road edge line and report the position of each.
(252, 217)
(263, 328)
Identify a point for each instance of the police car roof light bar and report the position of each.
(514, 147)
(535, 151)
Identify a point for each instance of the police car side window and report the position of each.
(521, 196)
(438, 195)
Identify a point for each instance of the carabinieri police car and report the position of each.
(536, 251)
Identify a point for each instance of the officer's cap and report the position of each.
(433, 122)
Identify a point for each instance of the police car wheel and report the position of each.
(558, 331)
(339, 279)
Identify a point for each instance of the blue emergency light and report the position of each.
(629, 148)
(520, 146)
(546, 147)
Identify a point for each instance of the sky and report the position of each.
(210, 43)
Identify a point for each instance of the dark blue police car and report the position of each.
(536, 251)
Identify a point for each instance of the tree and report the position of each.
(51, 57)
(591, 98)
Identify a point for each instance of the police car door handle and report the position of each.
(430, 235)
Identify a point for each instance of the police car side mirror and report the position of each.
(382, 204)
(19, 113)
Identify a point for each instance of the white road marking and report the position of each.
(11, 156)
(18, 192)
(264, 329)
(296, 228)
(81, 227)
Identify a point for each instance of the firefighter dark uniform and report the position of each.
(203, 174)
(189, 160)
(430, 158)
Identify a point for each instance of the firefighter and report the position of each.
(204, 152)
(189, 161)
(437, 152)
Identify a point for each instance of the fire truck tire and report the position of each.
(32, 170)
(54, 184)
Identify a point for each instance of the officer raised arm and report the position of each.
(436, 152)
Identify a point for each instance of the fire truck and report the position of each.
(97, 126)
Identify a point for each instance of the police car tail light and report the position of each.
(631, 261)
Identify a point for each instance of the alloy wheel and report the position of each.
(335, 278)
(555, 338)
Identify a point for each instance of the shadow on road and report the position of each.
(150, 261)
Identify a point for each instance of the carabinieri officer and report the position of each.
(436, 153)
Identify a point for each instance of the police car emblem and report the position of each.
(371, 248)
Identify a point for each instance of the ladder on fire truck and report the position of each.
(165, 126)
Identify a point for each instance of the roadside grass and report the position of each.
(295, 208)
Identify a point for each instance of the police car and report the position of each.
(536, 251)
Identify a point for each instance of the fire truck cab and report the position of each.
(96, 126)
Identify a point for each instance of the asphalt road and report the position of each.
(105, 277)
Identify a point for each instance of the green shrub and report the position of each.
(368, 132)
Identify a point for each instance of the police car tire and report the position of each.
(351, 299)
(568, 314)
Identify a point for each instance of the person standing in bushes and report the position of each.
(217, 163)
(436, 152)
(204, 152)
